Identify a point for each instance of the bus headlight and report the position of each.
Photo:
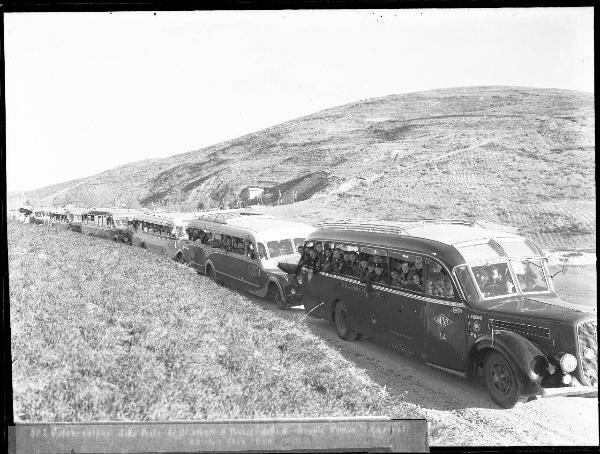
(567, 379)
(589, 354)
(293, 291)
(568, 363)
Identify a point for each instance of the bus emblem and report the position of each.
(442, 320)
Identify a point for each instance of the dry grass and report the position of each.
(103, 331)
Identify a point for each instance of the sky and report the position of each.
(86, 92)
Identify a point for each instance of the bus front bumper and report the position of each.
(573, 391)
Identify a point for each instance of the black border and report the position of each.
(32, 6)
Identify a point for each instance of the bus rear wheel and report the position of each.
(210, 272)
(342, 323)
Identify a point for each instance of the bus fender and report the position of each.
(208, 265)
(529, 360)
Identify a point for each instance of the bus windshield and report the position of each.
(530, 275)
(494, 280)
(278, 248)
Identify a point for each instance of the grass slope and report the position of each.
(516, 156)
(103, 331)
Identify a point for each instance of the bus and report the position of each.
(482, 306)
(75, 218)
(59, 219)
(40, 215)
(163, 232)
(244, 249)
(108, 223)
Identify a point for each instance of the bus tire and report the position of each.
(210, 272)
(500, 379)
(179, 258)
(143, 245)
(275, 295)
(342, 323)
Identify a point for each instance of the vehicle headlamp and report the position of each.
(567, 379)
(293, 291)
(568, 363)
(589, 354)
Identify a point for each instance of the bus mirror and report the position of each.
(563, 269)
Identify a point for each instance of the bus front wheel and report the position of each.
(500, 380)
(342, 323)
(276, 296)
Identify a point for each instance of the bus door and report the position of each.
(400, 313)
(398, 321)
(445, 324)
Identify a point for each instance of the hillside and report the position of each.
(517, 156)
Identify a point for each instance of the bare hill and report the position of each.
(518, 156)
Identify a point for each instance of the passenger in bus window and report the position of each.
(313, 260)
(415, 283)
(241, 247)
(448, 289)
(319, 248)
(335, 265)
(378, 276)
(417, 268)
(304, 258)
(370, 272)
(363, 269)
(323, 259)
(249, 248)
(405, 274)
(395, 280)
(350, 267)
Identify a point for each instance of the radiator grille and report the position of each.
(587, 337)
(521, 328)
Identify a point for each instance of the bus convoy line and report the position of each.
(461, 297)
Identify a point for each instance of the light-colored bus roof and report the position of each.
(227, 216)
(446, 237)
(166, 218)
(448, 231)
(76, 211)
(115, 212)
(261, 226)
(454, 235)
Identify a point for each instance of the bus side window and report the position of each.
(438, 281)
(262, 252)
(467, 283)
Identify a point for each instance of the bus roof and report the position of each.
(442, 238)
(76, 211)
(115, 212)
(177, 219)
(260, 225)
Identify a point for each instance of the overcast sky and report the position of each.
(86, 92)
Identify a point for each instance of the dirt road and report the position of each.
(465, 407)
